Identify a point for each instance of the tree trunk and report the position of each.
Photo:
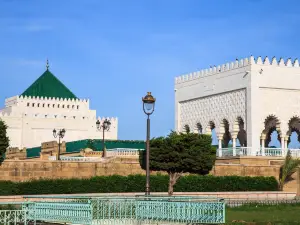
(173, 177)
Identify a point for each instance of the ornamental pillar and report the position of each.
(220, 145)
(282, 146)
(286, 139)
(263, 141)
(234, 145)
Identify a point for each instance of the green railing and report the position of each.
(127, 210)
(16, 213)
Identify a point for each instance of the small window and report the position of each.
(36, 115)
(78, 107)
(65, 117)
(44, 105)
(74, 117)
(68, 106)
(55, 116)
(32, 104)
(28, 104)
(38, 105)
(58, 106)
(73, 106)
(53, 105)
(48, 105)
(45, 116)
(83, 117)
(63, 106)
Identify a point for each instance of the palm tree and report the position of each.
(288, 168)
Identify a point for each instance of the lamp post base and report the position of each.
(104, 152)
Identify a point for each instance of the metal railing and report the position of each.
(16, 213)
(129, 210)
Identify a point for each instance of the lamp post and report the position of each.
(60, 134)
(148, 107)
(105, 126)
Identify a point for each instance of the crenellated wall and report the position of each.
(31, 120)
(239, 98)
(235, 65)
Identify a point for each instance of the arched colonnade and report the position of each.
(226, 133)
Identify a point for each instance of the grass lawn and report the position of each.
(283, 214)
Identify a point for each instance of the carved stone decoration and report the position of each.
(216, 108)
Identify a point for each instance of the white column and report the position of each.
(263, 140)
(234, 146)
(282, 146)
(286, 143)
(220, 147)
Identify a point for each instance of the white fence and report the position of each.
(116, 152)
(123, 152)
(248, 151)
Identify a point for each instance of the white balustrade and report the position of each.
(117, 152)
(248, 151)
(52, 158)
(80, 159)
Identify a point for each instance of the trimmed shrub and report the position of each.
(136, 183)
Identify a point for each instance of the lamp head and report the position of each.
(106, 124)
(148, 103)
(98, 124)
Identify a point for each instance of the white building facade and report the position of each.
(246, 100)
(46, 105)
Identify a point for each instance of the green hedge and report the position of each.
(136, 183)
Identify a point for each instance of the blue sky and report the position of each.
(113, 52)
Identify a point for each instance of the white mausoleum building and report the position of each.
(246, 99)
(48, 104)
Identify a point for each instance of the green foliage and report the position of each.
(181, 153)
(136, 183)
(4, 140)
(288, 168)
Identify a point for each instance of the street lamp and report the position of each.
(105, 127)
(60, 134)
(148, 107)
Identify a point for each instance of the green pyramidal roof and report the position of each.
(47, 85)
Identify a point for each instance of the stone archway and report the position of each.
(198, 128)
(226, 132)
(294, 126)
(211, 130)
(271, 124)
(241, 132)
(210, 127)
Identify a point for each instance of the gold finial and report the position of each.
(47, 64)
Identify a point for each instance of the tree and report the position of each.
(4, 140)
(180, 153)
(288, 168)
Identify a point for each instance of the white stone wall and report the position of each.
(31, 120)
(251, 89)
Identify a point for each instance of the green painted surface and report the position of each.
(76, 146)
(47, 85)
(33, 152)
